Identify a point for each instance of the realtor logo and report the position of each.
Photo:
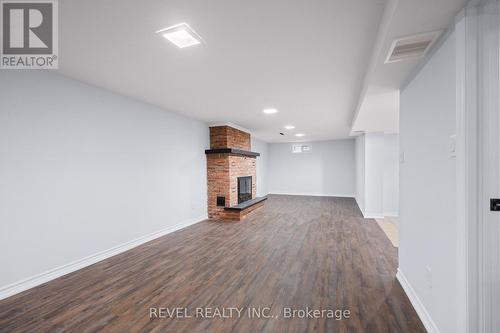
(29, 34)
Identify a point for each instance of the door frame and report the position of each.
(471, 171)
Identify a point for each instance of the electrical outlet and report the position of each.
(402, 157)
(428, 274)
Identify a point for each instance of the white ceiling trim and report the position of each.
(390, 9)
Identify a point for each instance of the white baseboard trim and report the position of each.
(340, 195)
(391, 214)
(359, 206)
(28, 283)
(373, 216)
(419, 307)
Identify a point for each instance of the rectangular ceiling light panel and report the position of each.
(181, 35)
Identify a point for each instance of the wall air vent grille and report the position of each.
(411, 47)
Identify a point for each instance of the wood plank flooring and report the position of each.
(296, 252)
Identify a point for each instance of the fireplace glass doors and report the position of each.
(244, 189)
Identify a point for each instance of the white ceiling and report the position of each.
(307, 58)
(378, 106)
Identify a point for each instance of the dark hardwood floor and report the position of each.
(296, 252)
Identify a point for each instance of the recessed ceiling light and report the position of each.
(289, 127)
(269, 111)
(300, 134)
(181, 35)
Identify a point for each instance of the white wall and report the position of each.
(374, 174)
(377, 172)
(391, 175)
(428, 228)
(83, 170)
(360, 172)
(327, 170)
(261, 147)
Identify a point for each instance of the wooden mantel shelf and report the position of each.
(232, 151)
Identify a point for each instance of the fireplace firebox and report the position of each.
(244, 189)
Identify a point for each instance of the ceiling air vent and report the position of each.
(411, 47)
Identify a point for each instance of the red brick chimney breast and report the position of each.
(223, 170)
(229, 137)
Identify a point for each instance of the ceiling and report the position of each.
(306, 58)
(378, 105)
(316, 61)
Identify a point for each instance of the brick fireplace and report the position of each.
(231, 174)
